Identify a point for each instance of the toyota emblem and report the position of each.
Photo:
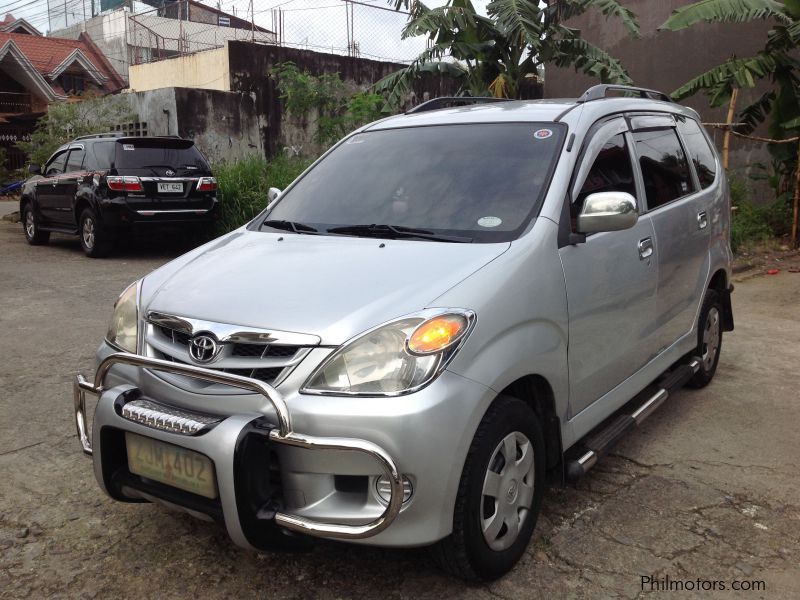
(169, 172)
(203, 348)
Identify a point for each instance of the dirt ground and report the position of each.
(706, 493)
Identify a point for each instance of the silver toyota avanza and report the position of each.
(446, 312)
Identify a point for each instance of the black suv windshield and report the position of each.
(479, 181)
(156, 156)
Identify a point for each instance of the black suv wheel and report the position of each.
(94, 239)
(30, 224)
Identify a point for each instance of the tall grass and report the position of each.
(243, 185)
(753, 224)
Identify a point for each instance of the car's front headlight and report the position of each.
(124, 327)
(393, 359)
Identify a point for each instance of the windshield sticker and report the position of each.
(542, 134)
(128, 147)
(489, 221)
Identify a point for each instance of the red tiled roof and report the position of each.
(46, 53)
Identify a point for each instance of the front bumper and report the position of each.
(248, 526)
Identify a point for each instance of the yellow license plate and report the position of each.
(171, 465)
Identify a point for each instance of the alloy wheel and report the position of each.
(711, 338)
(30, 224)
(88, 233)
(507, 491)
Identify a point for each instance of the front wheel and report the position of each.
(30, 225)
(94, 240)
(709, 339)
(499, 495)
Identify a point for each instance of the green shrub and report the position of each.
(244, 184)
(751, 223)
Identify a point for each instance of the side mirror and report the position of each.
(34, 169)
(607, 211)
(272, 195)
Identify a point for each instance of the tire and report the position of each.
(30, 225)
(468, 553)
(94, 239)
(709, 339)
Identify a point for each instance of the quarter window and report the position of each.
(612, 171)
(665, 170)
(75, 161)
(701, 153)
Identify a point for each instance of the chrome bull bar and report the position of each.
(282, 435)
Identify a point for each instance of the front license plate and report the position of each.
(170, 188)
(171, 465)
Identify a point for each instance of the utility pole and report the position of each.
(49, 23)
(252, 22)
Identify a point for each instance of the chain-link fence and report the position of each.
(366, 29)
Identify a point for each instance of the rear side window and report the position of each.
(612, 171)
(665, 170)
(75, 161)
(700, 152)
(103, 154)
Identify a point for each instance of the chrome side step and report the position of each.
(601, 440)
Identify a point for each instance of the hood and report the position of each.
(331, 286)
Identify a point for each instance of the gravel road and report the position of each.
(706, 493)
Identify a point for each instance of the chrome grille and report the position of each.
(241, 352)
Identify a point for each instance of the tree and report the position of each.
(496, 53)
(66, 121)
(776, 63)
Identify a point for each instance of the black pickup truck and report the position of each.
(100, 186)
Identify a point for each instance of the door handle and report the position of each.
(702, 220)
(645, 248)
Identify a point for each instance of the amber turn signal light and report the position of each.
(437, 333)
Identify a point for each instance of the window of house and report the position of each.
(701, 153)
(612, 171)
(75, 161)
(56, 164)
(72, 83)
(665, 170)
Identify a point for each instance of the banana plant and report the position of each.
(777, 63)
(496, 53)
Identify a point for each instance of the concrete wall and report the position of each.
(224, 125)
(203, 70)
(664, 60)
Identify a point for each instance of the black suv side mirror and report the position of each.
(34, 169)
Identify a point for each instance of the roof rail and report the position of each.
(598, 92)
(114, 134)
(447, 101)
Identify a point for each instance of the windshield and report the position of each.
(154, 157)
(480, 181)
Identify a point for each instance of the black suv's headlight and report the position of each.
(394, 359)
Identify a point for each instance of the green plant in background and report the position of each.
(66, 121)
(243, 185)
(496, 53)
(338, 111)
(777, 63)
(754, 223)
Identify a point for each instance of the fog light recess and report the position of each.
(383, 488)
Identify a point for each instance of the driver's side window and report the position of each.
(612, 171)
(56, 165)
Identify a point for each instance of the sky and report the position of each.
(314, 24)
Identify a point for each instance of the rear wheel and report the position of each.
(30, 224)
(709, 339)
(94, 239)
(499, 495)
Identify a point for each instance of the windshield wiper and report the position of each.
(292, 226)
(397, 232)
